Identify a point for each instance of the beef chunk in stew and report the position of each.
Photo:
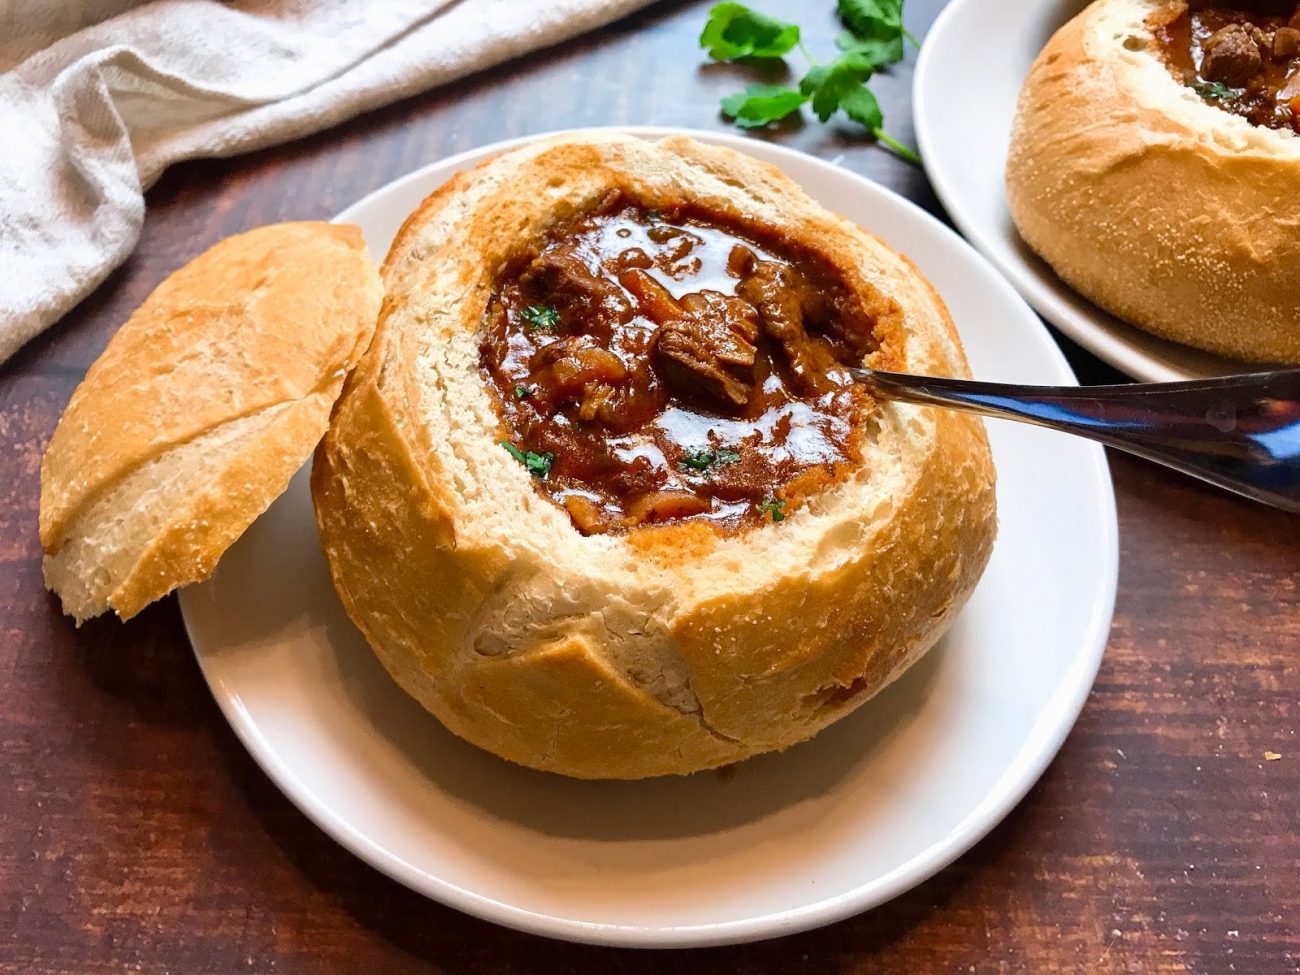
(1231, 56)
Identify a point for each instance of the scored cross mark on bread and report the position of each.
(635, 647)
(199, 411)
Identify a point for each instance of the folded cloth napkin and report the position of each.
(98, 97)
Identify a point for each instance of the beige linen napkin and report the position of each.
(98, 97)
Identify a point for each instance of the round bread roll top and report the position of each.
(1143, 187)
(659, 649)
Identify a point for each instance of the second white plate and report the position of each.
(832, 827)
(968, 77)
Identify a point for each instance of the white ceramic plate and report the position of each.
(968, 77)
(869, 808)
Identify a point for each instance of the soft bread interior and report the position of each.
(167, 522)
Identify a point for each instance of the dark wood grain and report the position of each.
(137, 835)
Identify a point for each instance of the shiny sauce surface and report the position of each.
(653, 367)
(1244, 59)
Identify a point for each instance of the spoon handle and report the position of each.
(1239, 432)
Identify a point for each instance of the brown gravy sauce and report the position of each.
(654, 367)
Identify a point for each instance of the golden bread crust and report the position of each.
(1172, 214)
(660, 651)
(199, 410)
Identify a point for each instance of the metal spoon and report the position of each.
(1239, 432)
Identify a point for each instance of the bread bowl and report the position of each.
(595, 637)
(1160, 178)
(199, 411)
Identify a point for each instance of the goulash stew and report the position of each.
(654, 367)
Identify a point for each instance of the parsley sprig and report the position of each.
(875, 29)
(773, 508)
(873, 39)
(538, 465)
(706, 460)
(734, 31)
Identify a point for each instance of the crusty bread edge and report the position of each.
(82, 466)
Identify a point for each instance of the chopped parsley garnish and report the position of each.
(874, 39)
(653, 217)
(539, 465)
(703, 461)
(773, 508)
(1213, 91)
(523, 392)
(541, 317)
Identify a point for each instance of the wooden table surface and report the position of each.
(136, 834)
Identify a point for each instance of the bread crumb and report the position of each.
(1271, 756)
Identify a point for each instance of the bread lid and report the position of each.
(199, 411)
